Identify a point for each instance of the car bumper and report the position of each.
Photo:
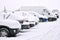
(15, 31)
(52, 19)
(25, 26)
(43, 19)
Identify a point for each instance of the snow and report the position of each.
(42, 31)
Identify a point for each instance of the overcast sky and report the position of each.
(15, 4)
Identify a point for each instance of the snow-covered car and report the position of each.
(52, 16)
(42, 18)
(8, 27)
(23, 18)
(26, 24)
(42, 11)
(45, 16)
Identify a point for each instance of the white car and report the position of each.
(42, 18)
(42, 11)
(52, 16)
(24, 18)
(8, 27)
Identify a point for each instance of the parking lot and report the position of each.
(42, 31)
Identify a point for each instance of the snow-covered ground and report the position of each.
(42, 31)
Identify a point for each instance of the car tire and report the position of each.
(4, 32)
(8, 32)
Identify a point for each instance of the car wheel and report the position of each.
(4, 32)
